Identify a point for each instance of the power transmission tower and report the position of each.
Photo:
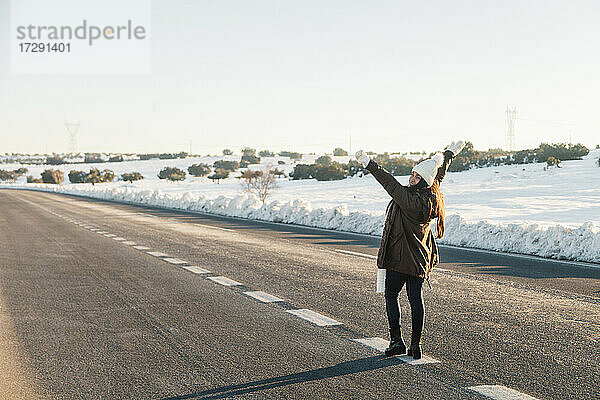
(72, 130)
(511, 116)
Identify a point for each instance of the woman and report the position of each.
(408, 250)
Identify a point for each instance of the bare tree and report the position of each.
(262, 184)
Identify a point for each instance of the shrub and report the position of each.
(291, 154)
(551, 161)
(278, 173)
(167, 156)
(53, 176)
(7, 175)
(93, 158)
(172, 174)
(562, 151)
(260, 183)
(303, 171)
(107, 175)
(247, 151)
(131, 176)
(323, 160)
(118, 158)
(251, 159)
(352, 168)
(227, 152)
(244, 164)
(31, 179)
(199, 169)
(266, 153)
(55, 160)
(149, 156)
(281, 162)
(333, 172)
(21, 171)
(339, 152)
(97, 176)
(77, 176)
(226, 165)
(219, 174)
(399, 166)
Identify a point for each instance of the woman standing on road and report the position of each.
(408, 251)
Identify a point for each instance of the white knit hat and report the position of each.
(428, 168)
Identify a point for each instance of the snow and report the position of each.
(528, 209)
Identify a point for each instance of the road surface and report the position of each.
(106, 300)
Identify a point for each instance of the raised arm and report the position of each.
(448, 157)
(404, 197)
(449, 154)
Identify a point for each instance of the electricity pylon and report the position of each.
(72, 130)
(511, 116)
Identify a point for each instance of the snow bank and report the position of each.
(559, 242)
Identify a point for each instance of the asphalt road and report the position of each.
(85, 314)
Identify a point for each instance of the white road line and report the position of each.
(498, 392)
(94, 229)
(129, 243)
(101, 232)
(157, 254)
(354, 253)
(262, 296)
(223, 280)
(314, 317)
(196, 270)
(380, 344)
(216, 227)
(376, 343)
(175, 261)
(110, 235)
(120, 239)
(141, 247)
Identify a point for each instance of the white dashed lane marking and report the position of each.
(262, 296)
(141, 247)
(354, 253)
(196, 270)
(157, 254)
(120, 239)
(174, 260)
(102, 232)
(314, 317)
(129, 243)
(380, 344)
(498, 392)
(216, 227)
(110, 235)
(223, 280)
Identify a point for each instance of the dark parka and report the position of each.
(407, 243)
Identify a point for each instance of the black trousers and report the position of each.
(394, 282)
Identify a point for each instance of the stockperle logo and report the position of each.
(85, 31)
(74, 36)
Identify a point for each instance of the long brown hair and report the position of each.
(439, 208)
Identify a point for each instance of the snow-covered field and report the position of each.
(529, 209)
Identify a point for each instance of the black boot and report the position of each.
(415, 345)
(397, 346)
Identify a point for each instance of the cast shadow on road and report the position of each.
(288, 231)
(341, 369)
(500, 264)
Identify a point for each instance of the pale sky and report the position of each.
(306, 75)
